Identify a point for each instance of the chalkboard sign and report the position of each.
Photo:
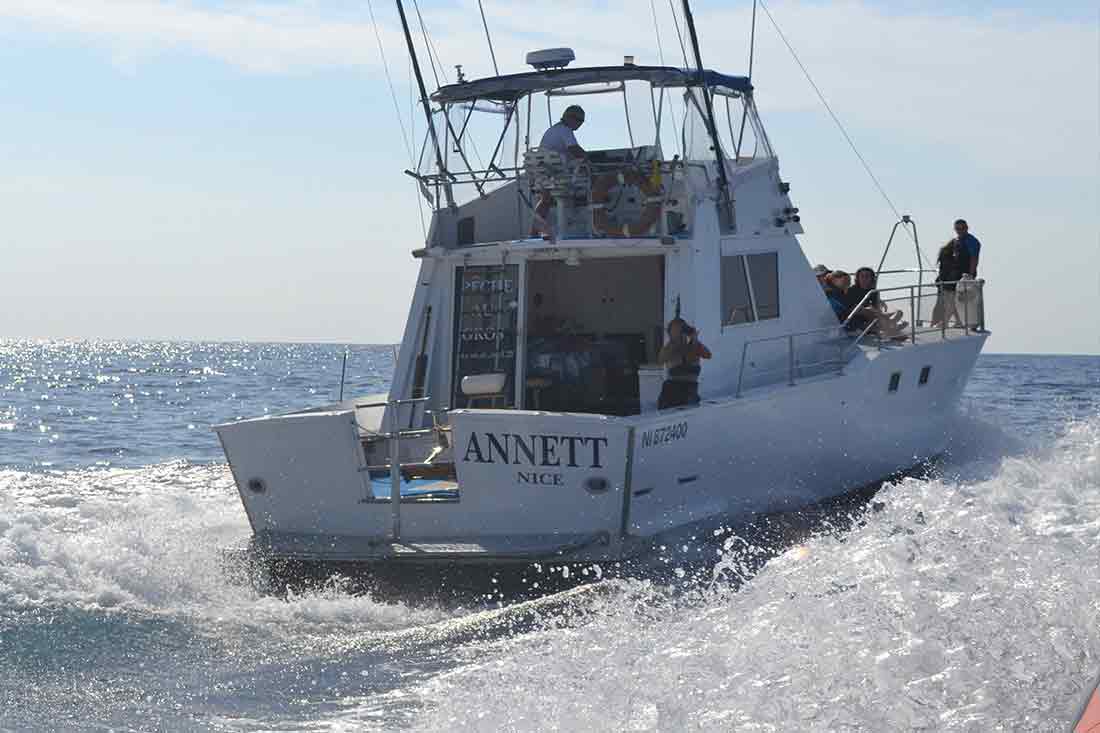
(486, 316)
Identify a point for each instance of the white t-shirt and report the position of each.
(559, 137)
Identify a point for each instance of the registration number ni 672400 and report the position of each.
(666, 434)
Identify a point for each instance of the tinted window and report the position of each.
(764, 272)
(486, 298)
(736, 304)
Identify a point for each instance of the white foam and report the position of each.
(962, 605)
(966, 601)
(149, 540)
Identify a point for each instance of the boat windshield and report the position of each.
(740, 132)
(643, 127)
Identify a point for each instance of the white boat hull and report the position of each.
(537, 486)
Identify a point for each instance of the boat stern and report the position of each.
(526, 486)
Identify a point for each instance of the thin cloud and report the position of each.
(959, 79)
(255, 37)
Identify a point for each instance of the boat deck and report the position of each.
(416, 489)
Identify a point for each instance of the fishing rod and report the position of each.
(712, 125)
(425, 102)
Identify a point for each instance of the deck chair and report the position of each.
(566, 181)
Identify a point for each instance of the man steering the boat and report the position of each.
(561, 139)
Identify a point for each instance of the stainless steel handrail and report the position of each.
(913, 293)
(455, 177)
(789, 337)
(394, 435)
(929, 289)
(387, 403)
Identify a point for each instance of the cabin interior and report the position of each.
(589, 324)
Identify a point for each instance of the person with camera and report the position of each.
(681, 355)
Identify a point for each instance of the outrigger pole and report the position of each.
(726, 212)
(426, 103)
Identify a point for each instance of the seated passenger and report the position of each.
(867, 308)
(560, 138)
(821, 272)
(836, 291)
(681, 355)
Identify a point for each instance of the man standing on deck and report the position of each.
(968, 248)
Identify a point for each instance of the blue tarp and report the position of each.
(510, 87)
(380, 486)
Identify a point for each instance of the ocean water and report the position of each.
(968, 600)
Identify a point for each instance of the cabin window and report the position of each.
(895, 381)
(465, 232)
(486, 314)
(697, 142)
(925, 373)
(736, 300)
(764, 275)
(750, 288)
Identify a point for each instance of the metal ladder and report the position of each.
(394, 436)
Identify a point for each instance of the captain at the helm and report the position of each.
(559, 138)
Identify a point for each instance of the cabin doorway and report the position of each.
(589, 326)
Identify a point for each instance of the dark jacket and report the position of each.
(953, 261)
(855, 297)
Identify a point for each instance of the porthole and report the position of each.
(895, 381)
(925, 373)
(596, 484)
(257, 485)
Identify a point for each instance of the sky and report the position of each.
(199, 169)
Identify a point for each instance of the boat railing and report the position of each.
(393, 435)
(925, 311)
(792, 357)
(571, 185)
(587, 168)
(930, 310)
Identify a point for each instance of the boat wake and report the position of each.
(960, 604)
(945, 602)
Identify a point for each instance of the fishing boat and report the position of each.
(522, 424)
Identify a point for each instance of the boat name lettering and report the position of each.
(512, 449)
(667, 434)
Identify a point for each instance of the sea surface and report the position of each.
(967, 600)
